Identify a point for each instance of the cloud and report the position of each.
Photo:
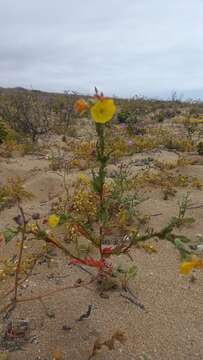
(125, 48)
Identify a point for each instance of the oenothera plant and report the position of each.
(102, 111)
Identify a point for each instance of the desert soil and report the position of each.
(171, 325)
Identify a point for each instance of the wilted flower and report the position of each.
(80, 106)
(36, 216)
(98, 96)
(18, 219)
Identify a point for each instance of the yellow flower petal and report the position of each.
(186, 267)
(53, 220)
(83, 179)
(103, 111)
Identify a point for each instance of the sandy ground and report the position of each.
(171, 325)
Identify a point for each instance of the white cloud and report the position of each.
(149, 47)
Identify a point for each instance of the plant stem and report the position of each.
(23, 237)
(102, 159)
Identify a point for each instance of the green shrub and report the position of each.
(123, 116)
(3, 132)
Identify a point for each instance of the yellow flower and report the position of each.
(103, 111)
(53, 220)
(187, 266)
(83, 179)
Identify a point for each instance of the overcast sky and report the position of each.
(124, 47)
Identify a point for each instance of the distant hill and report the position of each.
(24, 90)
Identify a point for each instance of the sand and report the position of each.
(171, 325)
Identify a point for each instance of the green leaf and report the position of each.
(178, 243)
(84, 248)
(64, 218)
(41, 235)
(132, 272)
(184, 253)
(120, 270)
(144, 356)
(184, 238)
(9, 234)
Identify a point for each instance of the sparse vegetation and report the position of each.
(117, 196)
